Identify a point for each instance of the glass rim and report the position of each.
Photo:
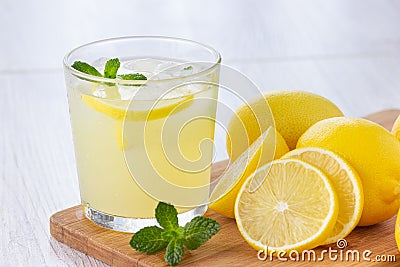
(93, 78)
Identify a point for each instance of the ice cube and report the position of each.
(165, 66)
(143, 64)
(128, 92)
(100, 63)
(150, 67)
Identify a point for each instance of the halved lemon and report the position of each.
(286, 205)
(270, 145)
(347, 185)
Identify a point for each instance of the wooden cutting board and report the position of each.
(227, 248)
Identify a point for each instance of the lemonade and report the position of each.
(138, 145)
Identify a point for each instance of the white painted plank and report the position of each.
(359, 86)
(42, 32)
(37, 170)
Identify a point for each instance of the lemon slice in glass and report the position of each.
(151, 110)
(144, 110)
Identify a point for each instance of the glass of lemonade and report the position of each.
(138, 142)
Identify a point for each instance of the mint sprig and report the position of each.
(86, 68)
(198, 231)
(110, 70)
(167, 216)
(133, 76)
(171, 236)
(152, 240)
(174, 252)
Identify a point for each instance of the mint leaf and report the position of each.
(188, 68)
(178, 233)
(167, 216)
(110, 71)
(149, 240)
(198, 231)
(133, 76)
(86, 68)
(111, 68)
(173, 237)
(174, 252)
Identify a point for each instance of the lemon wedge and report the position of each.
(270, 145)
(286, 205)
(396, 128)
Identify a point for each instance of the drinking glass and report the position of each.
(138, 142)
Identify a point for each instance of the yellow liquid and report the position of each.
(163, 146)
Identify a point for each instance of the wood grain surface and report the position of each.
(227, 248)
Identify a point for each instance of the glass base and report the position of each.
(132, 225)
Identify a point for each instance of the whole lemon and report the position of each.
(375, 154)
(292, 112)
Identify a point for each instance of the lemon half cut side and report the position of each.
(346, 182)
(286, 205)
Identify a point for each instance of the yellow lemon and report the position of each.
(293, 112)
(396, 128)
(373, 152)
(346, 182)
(270, 145)
(286, 205)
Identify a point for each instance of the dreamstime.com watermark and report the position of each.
(341, 254)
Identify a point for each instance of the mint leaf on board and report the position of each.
(174, 252)
(149, 240)
(133, 76)
(167, 216)
(86, 68)
(178, 233)
(111, 68)
(173, 237)
(198, 231)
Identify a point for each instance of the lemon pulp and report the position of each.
(270, 145)
(347, 185)
(286, 205)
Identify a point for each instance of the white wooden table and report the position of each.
(347, 51)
